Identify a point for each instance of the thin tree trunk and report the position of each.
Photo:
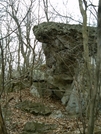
(92, 96)
(45, 2)
(97, 75)
(3, 129)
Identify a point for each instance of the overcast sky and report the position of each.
(72, 7)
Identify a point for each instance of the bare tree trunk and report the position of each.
(98, 68)
(3, 70)
(3, 129)
(25, 53)
(92, 96)
(97, 75)
(84, 32)
(45, 2)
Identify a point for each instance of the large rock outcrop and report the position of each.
(63, 48)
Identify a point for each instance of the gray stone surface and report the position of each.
(34, 108)
(40, 89)
(57, 114)
(34, 91)
(63, 48)
(38, 128)
(38, 75)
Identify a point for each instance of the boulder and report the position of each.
(38, 128)
(34, 91)
(33, 108)
(63, 48)
(38, 74)
(40, 89)
(57, 114)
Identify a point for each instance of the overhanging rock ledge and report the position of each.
(63, 48)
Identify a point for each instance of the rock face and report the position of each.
(63, 46)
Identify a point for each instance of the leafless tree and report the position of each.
(94, 79)
(45, 2)
(3, 129)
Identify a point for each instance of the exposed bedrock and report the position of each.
(63, 48)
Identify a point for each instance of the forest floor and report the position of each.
(16, 119)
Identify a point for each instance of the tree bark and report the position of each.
(97, 75)
(92, 91)
(3, 129)
(2, 124)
